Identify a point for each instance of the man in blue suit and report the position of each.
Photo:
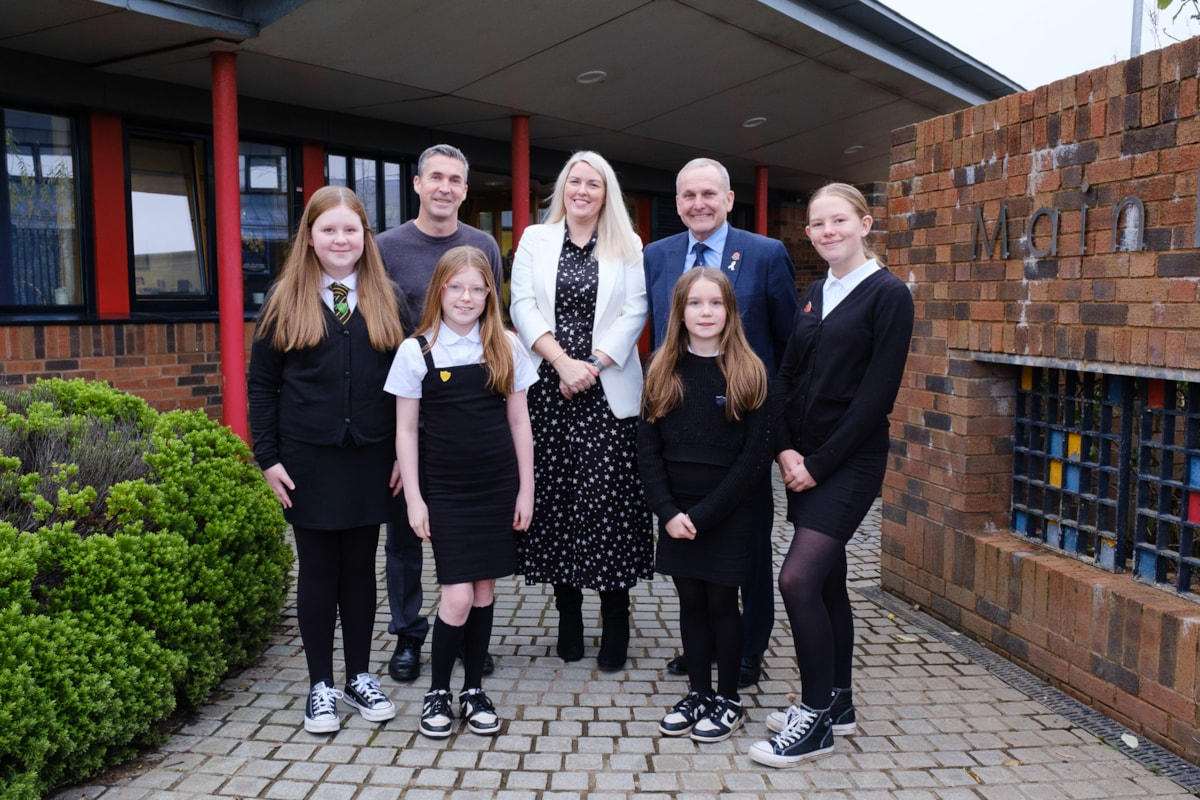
(764, 281)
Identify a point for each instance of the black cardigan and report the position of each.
(839, 376)
(328, 395)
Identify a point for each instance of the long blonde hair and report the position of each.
(497, 349)
(857, 202)
(293, 315)
(745, 375)
(615, 237)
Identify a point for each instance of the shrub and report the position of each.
(141, 558)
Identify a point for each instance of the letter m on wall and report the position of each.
(979, 232)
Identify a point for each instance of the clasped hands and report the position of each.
(795, 475)
(575, 376)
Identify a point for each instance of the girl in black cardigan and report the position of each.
(703, 445)
(836, 386)
(323, 433)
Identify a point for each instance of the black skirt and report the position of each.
(837, 505)
(338, 487)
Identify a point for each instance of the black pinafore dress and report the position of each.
(468, 473)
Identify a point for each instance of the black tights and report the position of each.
(709, 624)
(812, 582)
(336, 575)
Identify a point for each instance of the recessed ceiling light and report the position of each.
(591, 76)
(854, 148)
(754, 122)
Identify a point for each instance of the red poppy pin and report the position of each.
(808, 307)
(733, 261)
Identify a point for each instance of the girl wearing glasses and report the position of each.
(467, 472)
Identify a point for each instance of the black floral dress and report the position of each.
(591, 527)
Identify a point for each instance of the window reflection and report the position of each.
(168, 225)
(382, 197)
(39, 240)
(266, 223)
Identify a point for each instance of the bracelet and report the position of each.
(561, 353)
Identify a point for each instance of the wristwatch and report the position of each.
(595, 361)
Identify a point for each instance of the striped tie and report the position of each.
(341, 305)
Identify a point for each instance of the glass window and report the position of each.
(335, 171)
(393, 194)
(383, 198)
(39, 237)
(166, 201)
(266, 221)
(365, 188)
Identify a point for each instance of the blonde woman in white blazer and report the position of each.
(579, 304)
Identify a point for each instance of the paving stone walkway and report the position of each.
(940, 718)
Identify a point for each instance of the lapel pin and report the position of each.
(733, 261)
(721, 400)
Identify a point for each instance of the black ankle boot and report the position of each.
(614, 638)
(569, 602)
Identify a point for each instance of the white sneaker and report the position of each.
(723, 718)
(363, 693)
(437, 718)
(320, 710)
(479, 712)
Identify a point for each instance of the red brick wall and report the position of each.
(171, 365)
(1128, 649)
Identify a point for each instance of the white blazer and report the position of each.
(619, 319)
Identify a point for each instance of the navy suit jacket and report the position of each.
(763, 278)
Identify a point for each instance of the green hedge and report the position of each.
(141, 559)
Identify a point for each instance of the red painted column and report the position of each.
(312, 164)
(520, 178)
(644, 219)
(229, 242)
(108, 211)
(644, 222)
(760, 201)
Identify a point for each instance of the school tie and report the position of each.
(341, 305)
(700, 249)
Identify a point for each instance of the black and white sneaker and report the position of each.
(841, 715)
(437, 717)
(686, 713)
(807, 734)
(723, 718)
(363, 693)
(320, 710)
(479, 712)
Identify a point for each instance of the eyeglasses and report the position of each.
(457, 289)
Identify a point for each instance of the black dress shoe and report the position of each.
(678, 665)
(489, 664)
(751, 671)
(405, 663)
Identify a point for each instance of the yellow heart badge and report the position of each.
(445, 375)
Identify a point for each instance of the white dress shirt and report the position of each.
(451, 350)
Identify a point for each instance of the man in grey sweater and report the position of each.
(410, 253)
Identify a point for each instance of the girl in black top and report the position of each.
(702, 447)
(836, 386)
(323, 434)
